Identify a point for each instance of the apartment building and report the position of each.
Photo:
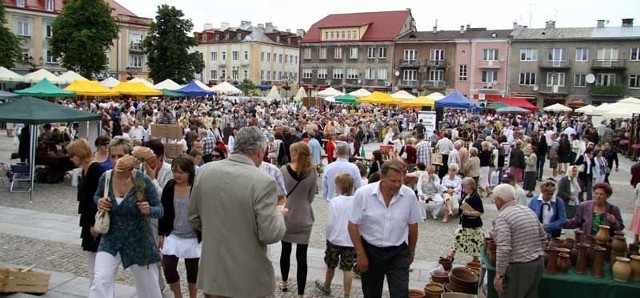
(31, 21)
(352, 51)
(262, 54)
(562, 65)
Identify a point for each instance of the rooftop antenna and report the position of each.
(555, 14)
(531, 4)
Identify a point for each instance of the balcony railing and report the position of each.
(553, 90)
(437, 63)
(410, 63)
(555, 64)
(608, 64)
(490, 64)
(613, 91)
(436, 84)
(488, 87)
(135, 47)
(409, 83)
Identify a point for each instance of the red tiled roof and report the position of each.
(38, 5)
(383, 25)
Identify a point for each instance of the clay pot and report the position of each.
(568, 243)
(433, 290)
(574, 254)
(621, 269)
(590, 239)
(633, 250)
(581, 261)
(635, 267)
(564, 262)
(415, 293)
(445, 262)
(475, 266)
(578, 236)
(554, 242)
(590, 255)
(439, 276)
(603, 235)
(618, 248)
(597, 270)
(552, 260)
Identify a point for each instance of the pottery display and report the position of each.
(603, 235)
(564, 262)
(440, 276)
(581, 260)
(463, 280)
(578, 235)
(433, 290)
(635, 267)
(552, 260)
(415, 293)
(621, 269)
(590, 255)
(618, 248)
(568, 243)
(445, 262)
(633, 250)
(597, 269)
(574, 254)
(554, 242)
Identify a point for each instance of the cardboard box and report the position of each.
(173, 150)
(168, 131)
(23, 281)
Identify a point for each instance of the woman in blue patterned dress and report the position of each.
(131, 199)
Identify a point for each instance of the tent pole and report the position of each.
(32, 158)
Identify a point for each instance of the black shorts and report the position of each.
(345, 255)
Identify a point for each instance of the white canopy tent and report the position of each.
(557, 108)
(329, 92)
(436, 96)
(330, 99)
(7, 75)
(632, 100)
(38, 75)
(203, 85)
(70, 76)
(360, 93)
(621, 110)
(301, 94)
(226, 88)
(274, 94)
(598, 110)
(143, 81)
(585, 109)
(110, 82)
(167, 84)
(404, 95)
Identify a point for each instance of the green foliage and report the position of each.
(167, 47)
(607, 90)
(10, 48)
(246, 86)
(82, 34)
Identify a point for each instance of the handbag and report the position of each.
(103, 221)
(436, 158)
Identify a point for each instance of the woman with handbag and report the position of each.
(177, 238)
(130, 198)
(79, 152)
(301, 183)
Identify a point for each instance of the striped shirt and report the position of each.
(519, 236)
(423, 152)
(274, 172)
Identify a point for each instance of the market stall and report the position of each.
(135, 89)
(89, 88)
(44, 88)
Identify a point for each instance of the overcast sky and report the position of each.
(493, 14)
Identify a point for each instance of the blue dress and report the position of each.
(129, 231)
(106, 165)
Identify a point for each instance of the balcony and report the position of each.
(553, 90)
(608, 64)
(488, 87)
(222, 64)
(135, 47)
(410, 63)
(437, 63)
(436, 85)
(606, 91)
(490, 64)
(555, 64)
(408, 83)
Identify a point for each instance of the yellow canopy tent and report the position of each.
(89, 88)
(379, 98)
(419, 102)
(135, 89)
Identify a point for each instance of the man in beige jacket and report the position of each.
(233, 204)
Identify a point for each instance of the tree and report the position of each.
(82, 35)
(167, 47)
(246, 86)
(10, 47)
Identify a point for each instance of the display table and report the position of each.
(570, 284)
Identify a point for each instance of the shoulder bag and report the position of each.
(103, 221)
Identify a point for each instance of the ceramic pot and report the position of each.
(635, 267)
(445, 262)
(574, 254)
(618, 248)
(552, 260)
(578, 236)
(568, 243)
(597, 270)
(590, 255)
(564, 262)
(607, 253)
(603, 235)
(581, 260)
(554, 242)
(621, 269)
(633, 250)
(590, 239)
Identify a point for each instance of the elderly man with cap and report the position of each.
(521, 195)
(519, 239)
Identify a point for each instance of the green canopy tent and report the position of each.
(44, 88)
(347, 99)
(170, 93)
(33, 112)
(495, 106)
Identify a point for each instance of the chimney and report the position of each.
(515, 25)
(468, 26)
(461, 29)
(600, 24)
(627, 22)
(261, 26)
(550, 25)
(224, 26)
(208, 26)
(288, 30)
(435, 29)
(268, 27)
(245, 25)
(300, 32)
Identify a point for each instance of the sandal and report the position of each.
(283, 286)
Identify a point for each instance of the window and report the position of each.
(349, 35)
(582, 54)
(606, 79)
(224, 56)
(409, 75)
(49, 5)
(436, 75)
(436, 55)
(370, 74)
(382, 52)
(268, 75)
(262, 56)
(246, 55)
(338, 73)
(268, 57)
(555, 79)
(296, 59)
(322, 53)
(607, 54)
(307, 53)
(371, 53)
(286, 58)
(337, 53)
(635, 54)
(489, 76)
(273, 73)
(223, 74)
(343, 34)
(382, 74)
(262, 74)
(353, 53)
(579, 80)
(410, 55)
(135, 61)
(246, 74)
(23, 28)
(352, 74)
(234, 73)
(235, 56)
(490, 54)
(322, 73)
(48, 31)
(214, 56)
(279, 58)
(463, 72)
(214, 74)
(529, 55)
(634, 81)
(527, 78)
(20, 3)
(51, 58)
(557, 55)
(333, 35)
(355, 34)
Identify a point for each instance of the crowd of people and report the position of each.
(255, 169)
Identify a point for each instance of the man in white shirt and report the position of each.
(385, 214)
(137, 132)
(444, 146)
(341, 165)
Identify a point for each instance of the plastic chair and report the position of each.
(21, 173)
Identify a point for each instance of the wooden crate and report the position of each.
(23, 281)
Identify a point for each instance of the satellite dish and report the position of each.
(590, 78)
(535, 87)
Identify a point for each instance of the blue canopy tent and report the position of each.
(455, 100)
(192, 89)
